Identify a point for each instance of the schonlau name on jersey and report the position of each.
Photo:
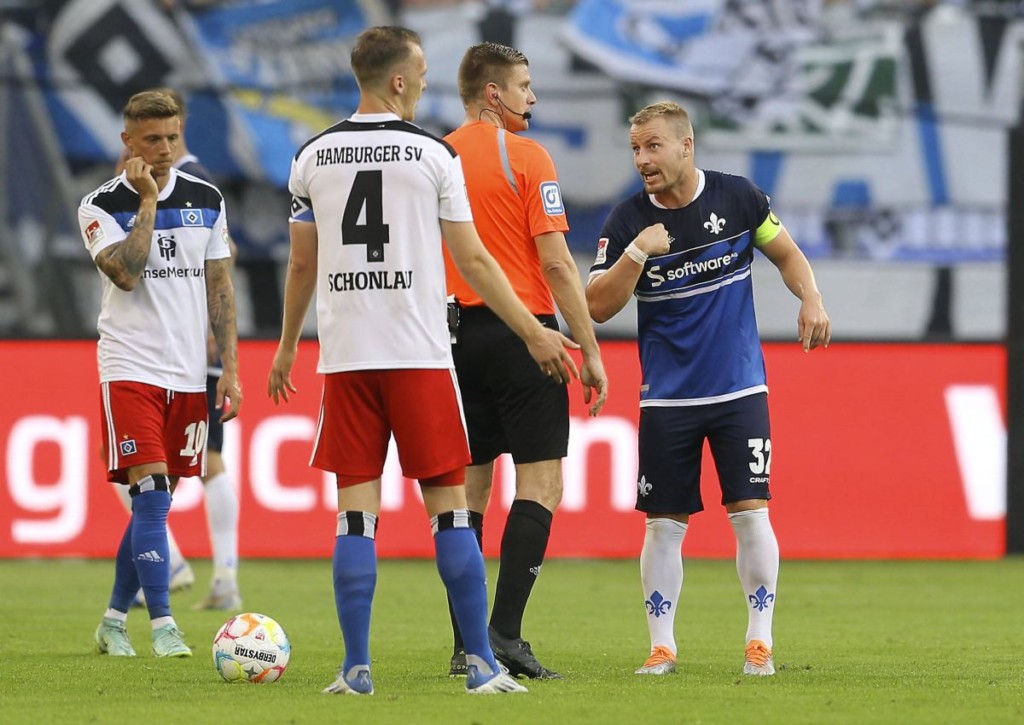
(380, 279)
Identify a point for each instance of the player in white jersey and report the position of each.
(159, 239)
(372, 196)
(220, 497)
(383, 183)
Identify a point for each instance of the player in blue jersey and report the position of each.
(222, 505)
(684, 246)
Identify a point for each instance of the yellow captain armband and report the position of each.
(768, 230)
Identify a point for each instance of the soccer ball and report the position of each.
(251, 647)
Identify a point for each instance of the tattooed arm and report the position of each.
(125, 261)
(220, 302)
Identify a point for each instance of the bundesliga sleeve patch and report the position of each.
(602, 251)
(552, 198)
(94, 233)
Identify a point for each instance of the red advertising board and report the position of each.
(879, 450)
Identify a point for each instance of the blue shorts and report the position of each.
(215, 431)
(671, 441)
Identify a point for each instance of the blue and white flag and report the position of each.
(284, 67)
(773, 78)
(260, 75)
(97, 54)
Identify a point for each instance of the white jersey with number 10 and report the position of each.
(376, 188)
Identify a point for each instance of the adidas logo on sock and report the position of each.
(150, 555)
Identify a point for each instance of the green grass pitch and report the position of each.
(856, 642)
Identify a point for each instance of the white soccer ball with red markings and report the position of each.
(251, 647)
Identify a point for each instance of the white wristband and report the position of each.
(636, 254)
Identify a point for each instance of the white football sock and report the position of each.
(757, 563)
(177, 558)
(114, 614)
(661, 575)
(222, 517)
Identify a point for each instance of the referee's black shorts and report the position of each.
(510, 405)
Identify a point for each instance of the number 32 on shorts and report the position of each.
(761, 448)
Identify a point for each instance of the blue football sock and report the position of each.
(355, 579)
(461, 566)
(126, 579)
(476, 520)
(151, 501)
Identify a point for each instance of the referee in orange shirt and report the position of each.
(510, 405)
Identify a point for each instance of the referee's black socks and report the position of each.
(522, 553)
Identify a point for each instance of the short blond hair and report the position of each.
(151, 104)
(668, 110)
(178, 99)
(378, 51)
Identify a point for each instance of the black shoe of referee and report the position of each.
(517, 655)
(457, 668)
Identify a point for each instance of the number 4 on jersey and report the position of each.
(367, 192)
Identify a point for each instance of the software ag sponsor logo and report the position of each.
(689, 268)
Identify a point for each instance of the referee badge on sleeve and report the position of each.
(552, 198)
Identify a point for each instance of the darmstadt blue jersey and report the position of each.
(695, 307)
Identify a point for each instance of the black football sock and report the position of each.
(522, 553)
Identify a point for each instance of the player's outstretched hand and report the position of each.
(229, 396)
(550, 351)
(279, 383)
(594, 380)
(813, 324)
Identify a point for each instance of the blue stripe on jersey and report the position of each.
(171, 218)
(689, 270)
